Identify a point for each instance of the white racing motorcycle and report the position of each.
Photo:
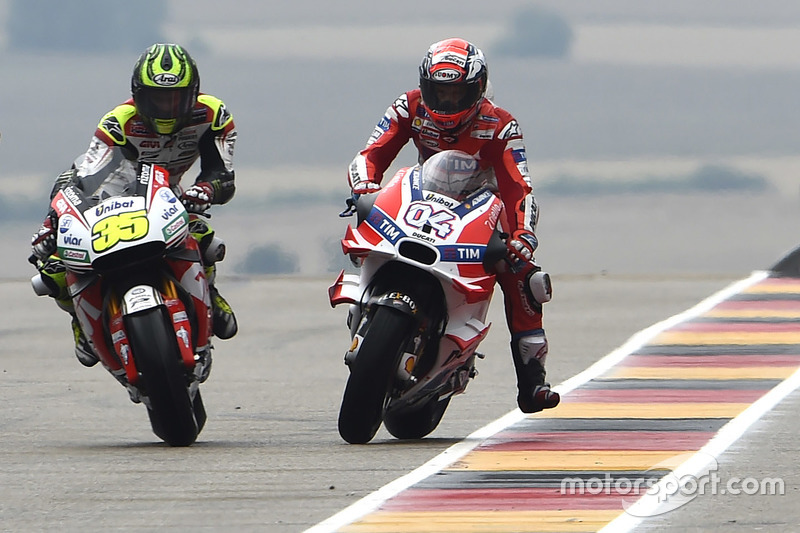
(136, 279)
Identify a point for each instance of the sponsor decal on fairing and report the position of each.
(167, 196)
(461, 253)
(171, 210)
(439, 199)
(473, 203)
(71, 240)
(385, 226)
(422, 236)
(72, 196)
(61, 206)
(174, 227)
(73, 255)
(113, 206)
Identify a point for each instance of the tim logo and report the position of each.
(463, 165)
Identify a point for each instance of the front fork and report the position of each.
(140, 298)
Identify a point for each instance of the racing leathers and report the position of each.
(495, 139)
(209, 136)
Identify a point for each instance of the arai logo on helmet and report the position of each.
(165, 78)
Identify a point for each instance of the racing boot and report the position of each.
(83, 350)
(529, 354)
(54, 277)
(212, 248)
(223, 321)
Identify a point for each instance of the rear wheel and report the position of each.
(416, 423)
(372, 375)
(173, 416)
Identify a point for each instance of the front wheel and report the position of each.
(372, 375)
(173, 415)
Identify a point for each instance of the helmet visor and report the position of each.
(163, 103)
(449, 98)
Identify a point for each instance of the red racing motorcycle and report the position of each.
(426, 246)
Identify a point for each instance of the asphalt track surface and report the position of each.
(77, 455)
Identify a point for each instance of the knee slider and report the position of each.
(212, 248)
(540, 286)
(215, 251)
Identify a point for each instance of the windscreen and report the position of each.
(453, 173)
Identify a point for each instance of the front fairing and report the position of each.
(140, 217)
(436, 235)
(442, 235)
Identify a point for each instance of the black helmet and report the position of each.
(165, 85)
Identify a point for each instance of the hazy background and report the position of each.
(662, 136)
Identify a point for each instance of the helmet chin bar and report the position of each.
(460, 120)
(165, 126)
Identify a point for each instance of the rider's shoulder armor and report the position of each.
(219, 115)
(113, 123)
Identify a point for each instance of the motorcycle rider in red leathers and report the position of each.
(450, 111)
(170, 123)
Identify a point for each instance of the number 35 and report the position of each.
(127, 226)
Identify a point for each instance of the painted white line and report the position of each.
(372, 501)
